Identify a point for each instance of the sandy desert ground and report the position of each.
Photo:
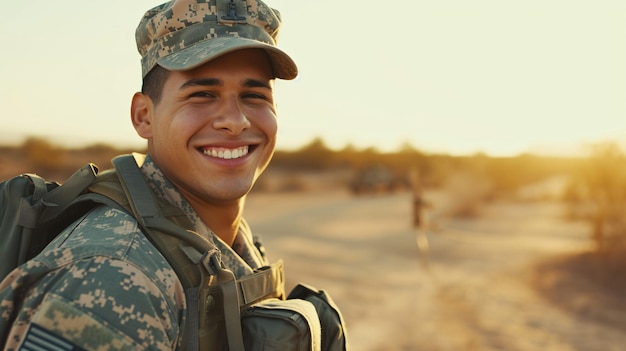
(500, 281)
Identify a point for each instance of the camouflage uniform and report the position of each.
(102, 285)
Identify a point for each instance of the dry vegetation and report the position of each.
(52, 161)
(597, 194)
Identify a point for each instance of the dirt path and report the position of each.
(477, 292)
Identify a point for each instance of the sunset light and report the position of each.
(445, 76)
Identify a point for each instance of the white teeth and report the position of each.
(227, 154)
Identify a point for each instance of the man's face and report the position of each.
(213, 132)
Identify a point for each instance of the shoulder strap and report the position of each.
(149, 212)
(193, 257)
(198, 249)
(58, 199)
(175, 242)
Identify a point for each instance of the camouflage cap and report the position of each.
(184, 34)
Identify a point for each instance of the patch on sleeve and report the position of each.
(40, 339)
(78, 327)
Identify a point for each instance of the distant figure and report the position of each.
(418, 198)
(419, 223)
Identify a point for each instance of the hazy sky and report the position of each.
(459, 76)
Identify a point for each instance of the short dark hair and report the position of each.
(153, 83)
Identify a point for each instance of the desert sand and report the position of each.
(490, 282)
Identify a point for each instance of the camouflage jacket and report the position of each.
(101, 285)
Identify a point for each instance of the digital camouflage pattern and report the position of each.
(183, 34)
(102, 285)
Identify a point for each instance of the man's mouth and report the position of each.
(226, 154)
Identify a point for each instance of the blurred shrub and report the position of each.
(52, 161)
(598, 194)
(43, 155)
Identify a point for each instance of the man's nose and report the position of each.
(231, 117)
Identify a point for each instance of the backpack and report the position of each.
(246, 314)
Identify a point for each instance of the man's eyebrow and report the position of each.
(250, 83)
(255, 83)
(202, 82)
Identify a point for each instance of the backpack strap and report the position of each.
(48, 200)
(157, 228)
(41, 214)
(29, 206)
(143, 205)
(196, 261)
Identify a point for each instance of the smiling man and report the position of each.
(212, 132)
(208, 114)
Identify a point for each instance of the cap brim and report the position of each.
(204, 51)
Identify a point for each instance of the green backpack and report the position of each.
(245, 314)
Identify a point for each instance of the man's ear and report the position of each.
(141, 111)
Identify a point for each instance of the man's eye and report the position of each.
(255, 96)
(202, 94)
